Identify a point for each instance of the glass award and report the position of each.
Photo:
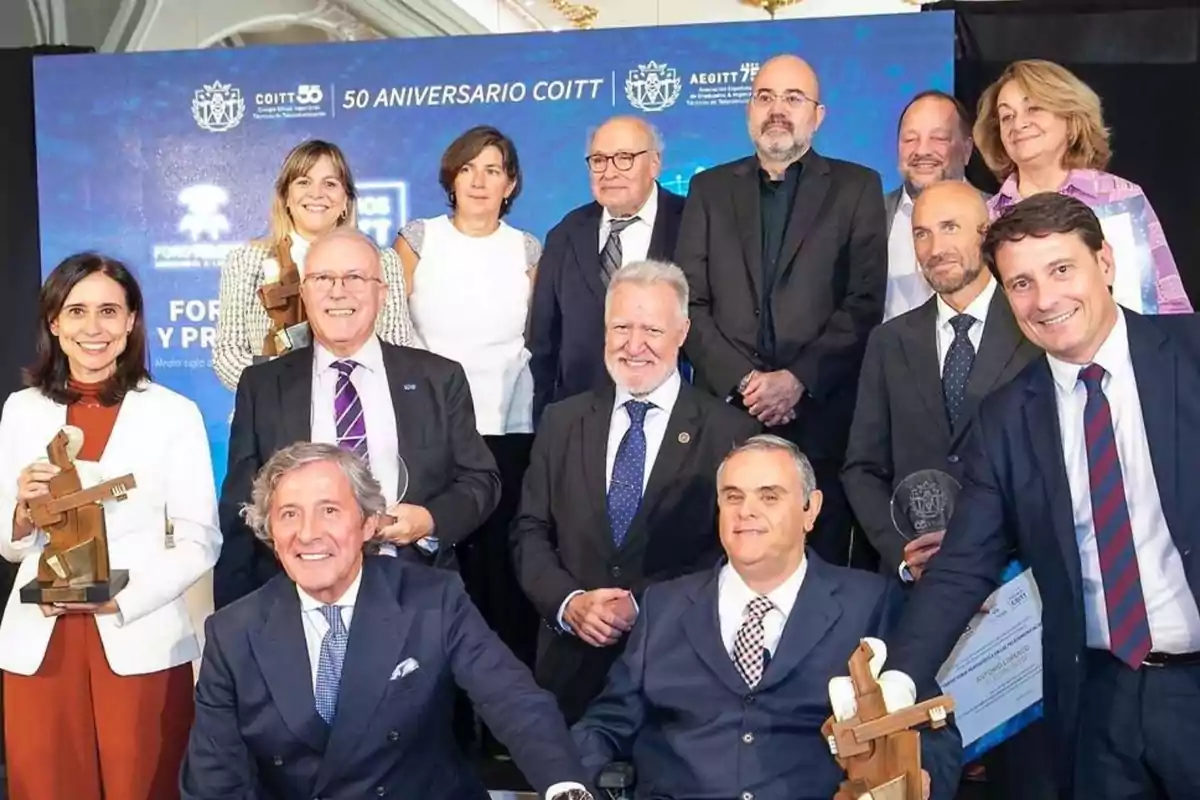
(924, 502)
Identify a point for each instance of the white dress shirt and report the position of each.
(1174, 619)
(733, 595)
(635, 239)
(315, 624)
(906, 284)
(977, 308)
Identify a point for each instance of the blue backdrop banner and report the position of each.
(166, 160)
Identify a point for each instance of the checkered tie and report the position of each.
(329, 666)
(350, 423)
(748, 650)
(628, 472)
(610, 257)
(960, 357)
(1128, 624)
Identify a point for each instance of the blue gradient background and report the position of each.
(117, 142)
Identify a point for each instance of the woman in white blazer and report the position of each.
(98, 698)
(314, 194)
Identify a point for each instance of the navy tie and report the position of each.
(957, 369)
(329, 665)
(628, 472)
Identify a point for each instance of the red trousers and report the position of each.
(77, 731)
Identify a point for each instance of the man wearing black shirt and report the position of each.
(786, 256)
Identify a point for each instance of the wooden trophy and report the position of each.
(74, 567)
(879, 750)
(283, 304)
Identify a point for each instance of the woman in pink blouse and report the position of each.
(1040, 129)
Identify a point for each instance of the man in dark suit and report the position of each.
(725, 683)
(336, 679)
(631, 219)
(786, 255)
(407, 411)
(1080, 467)
(619, 490)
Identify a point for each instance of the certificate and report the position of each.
(994, 672)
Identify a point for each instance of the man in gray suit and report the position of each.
(934, 144)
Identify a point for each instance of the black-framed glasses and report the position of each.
(598, 162)
(792, 98)
(353, 282)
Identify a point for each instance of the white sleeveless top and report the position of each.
(469, 303)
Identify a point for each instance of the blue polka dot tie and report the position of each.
(957, 369)
(628, 473)
(329, 665)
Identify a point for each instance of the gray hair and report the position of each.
(657, 144)
(350, 233)
(648, 273)
(770, 443)
(366, 489)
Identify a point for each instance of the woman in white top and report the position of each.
(260, 300)
(470, 278)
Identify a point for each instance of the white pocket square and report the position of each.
(404, 668)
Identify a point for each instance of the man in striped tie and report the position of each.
(1080, 468)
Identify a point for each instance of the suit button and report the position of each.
(756, 312)
(748, 738)
(277, 761)
(953, 459)
(616, 572)
(380, 791)
(393, 736)
(748, 699)
(747, 796)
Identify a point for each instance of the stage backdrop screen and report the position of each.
(166, 160)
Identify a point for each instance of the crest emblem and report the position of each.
(218, 107)
(928, 506)
(652, 87)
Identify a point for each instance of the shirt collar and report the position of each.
(734, 590)
(977, 308)
(645, 214)
(1113, 356)
(1080, 183)
(347, 600)
(369, 356)
(663, 397)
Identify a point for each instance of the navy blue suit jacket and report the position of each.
(676, 705)
(566, 318)
(1016, 500)
(258, 737)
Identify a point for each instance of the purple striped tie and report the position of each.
(1128, 625)
(348, 412)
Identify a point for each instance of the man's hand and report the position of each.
(925, 784)
(58, 609)
(918, 552)
(771, 397)
(600, 617)
(412, 523)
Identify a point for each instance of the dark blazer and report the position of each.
(561, 537)
(566, 339)
(451, 471)
(1016, 498)
(900, 425)
(677, 707)
(257, 734)
(828, 293)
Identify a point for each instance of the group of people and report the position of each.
(469, 467)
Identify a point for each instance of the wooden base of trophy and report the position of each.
(45, 593)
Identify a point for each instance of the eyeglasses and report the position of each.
(353, 282)
(598, 162)
(793, 98)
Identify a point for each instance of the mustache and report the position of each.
(925, 161)
(777, 119)
(941, 258)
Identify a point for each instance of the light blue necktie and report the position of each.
(329, 666)
(628, 474)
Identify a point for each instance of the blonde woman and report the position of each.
(1041, 129)
(260, 281)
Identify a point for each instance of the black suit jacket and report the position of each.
(1016, 498)
(414, 637)
(451, 471)
(900, 424)
(561, 536)
(828, 293)
(566, 339)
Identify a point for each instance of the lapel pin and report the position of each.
(410, 387)
(685, 437)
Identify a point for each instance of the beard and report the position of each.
(781, 144)
(954, 281)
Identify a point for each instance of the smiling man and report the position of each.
(724, 685)
(408, 412)
(619, 491)
(1082, 466)
(334, 679)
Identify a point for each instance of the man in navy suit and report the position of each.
(724, 684)
(1079, 468)
(336, 679)
(632, 219)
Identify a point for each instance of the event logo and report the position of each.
(306, 101)
(218, 107)
(652, 87)
(382, 209)
(205, 224)
(727, 87)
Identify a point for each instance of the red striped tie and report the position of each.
(1128, 625)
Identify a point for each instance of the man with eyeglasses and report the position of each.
(407, 412)
(786, 257)
(631, 219)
